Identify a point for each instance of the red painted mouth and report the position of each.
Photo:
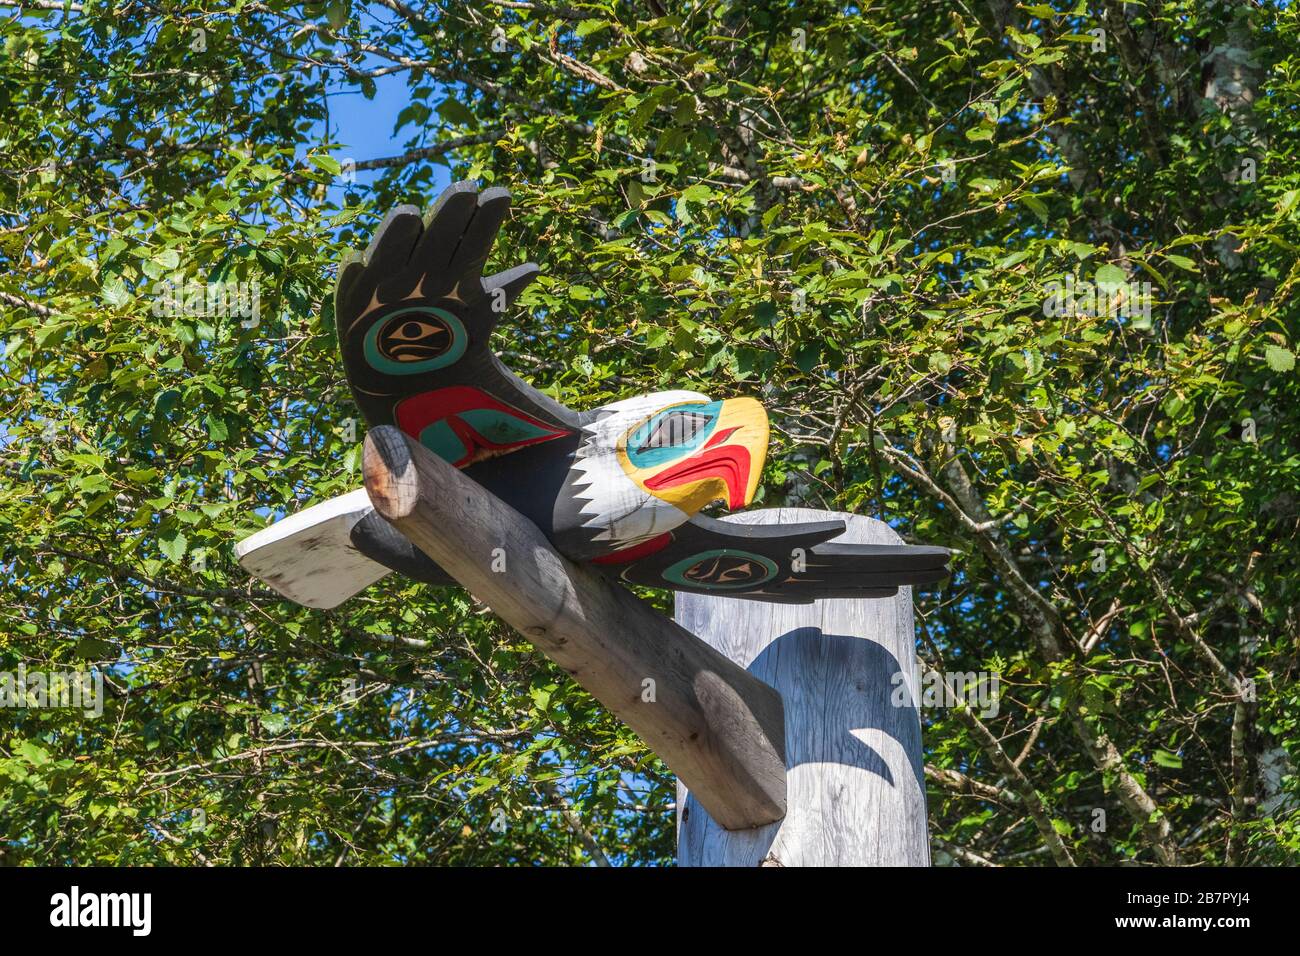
(637, 551)
(721, 436)
(728, 462)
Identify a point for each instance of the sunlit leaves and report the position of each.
(858, 215)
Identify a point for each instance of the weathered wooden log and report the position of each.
(717, 727)
(846, 671)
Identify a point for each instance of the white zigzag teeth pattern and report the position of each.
(608, 499)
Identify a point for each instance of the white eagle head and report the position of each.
(647, 464)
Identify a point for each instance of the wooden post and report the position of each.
(847, 673)
(717, 727)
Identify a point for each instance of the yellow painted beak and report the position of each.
(726, 466)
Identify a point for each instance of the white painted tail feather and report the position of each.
(309, 558)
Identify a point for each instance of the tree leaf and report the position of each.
(1279, 359)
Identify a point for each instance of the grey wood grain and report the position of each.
(716, 726)
(309, 557)
(854, 771)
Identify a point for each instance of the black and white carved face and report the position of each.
(648, 464)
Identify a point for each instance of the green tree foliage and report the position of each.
(866, 216)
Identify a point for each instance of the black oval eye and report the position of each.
(407, 339)
(675, 429)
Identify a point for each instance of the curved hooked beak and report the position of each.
(727, 468)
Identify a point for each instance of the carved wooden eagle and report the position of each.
(620, 486)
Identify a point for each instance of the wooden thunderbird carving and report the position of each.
(620, 486)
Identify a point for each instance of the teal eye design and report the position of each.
(721, 570)
(669, 434)
(414, 340)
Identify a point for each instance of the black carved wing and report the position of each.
(414, 318)
(780, 563)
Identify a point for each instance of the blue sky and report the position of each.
(365, 127)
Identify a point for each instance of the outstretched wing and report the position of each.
(325, 554)
(414, 318)
(780, 563)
